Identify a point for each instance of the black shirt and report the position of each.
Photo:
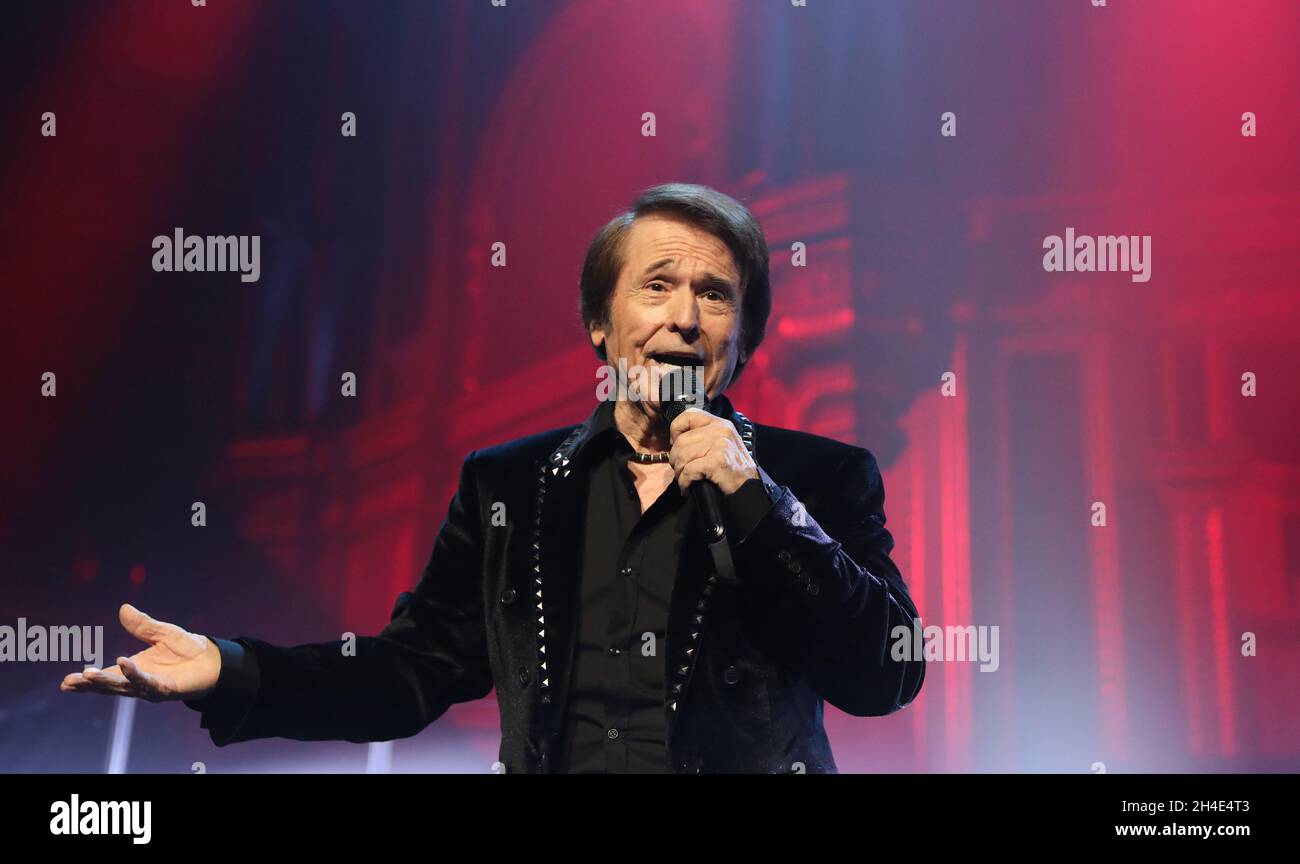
(615, 721)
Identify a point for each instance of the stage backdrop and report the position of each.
(1095, 465)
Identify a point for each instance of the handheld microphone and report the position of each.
(680, 388)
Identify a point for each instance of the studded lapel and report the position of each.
(692, 594)
(555, 577)
(556, 570)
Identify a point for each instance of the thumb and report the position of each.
(138, 624)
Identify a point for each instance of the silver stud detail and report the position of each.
(545, 680)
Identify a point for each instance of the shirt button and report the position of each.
(507, 596)
(614, 652)
(783, 555)
(732, 675)
(611, 734)
(813, 588)
(627, 571)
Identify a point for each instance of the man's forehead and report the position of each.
(661, 244)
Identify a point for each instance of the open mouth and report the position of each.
(674, 358)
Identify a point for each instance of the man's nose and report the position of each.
(684, 312)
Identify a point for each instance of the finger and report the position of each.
(693, 445)
(142, 681)
(691, 418)
(87, 687)
(112, 673)
(74, 682)
(694, 470)
(111, 682)
(142, 626)
(134, 621)
(81, 686)
(712, 432)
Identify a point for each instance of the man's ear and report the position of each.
(597, 334)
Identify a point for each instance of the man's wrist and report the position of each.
(237, 679)
(212, 653)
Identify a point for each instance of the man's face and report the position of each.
(677, 301)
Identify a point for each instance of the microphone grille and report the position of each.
(680, 388)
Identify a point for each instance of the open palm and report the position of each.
(177, 664)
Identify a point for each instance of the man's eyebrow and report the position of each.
(710, 280)
(661, 263)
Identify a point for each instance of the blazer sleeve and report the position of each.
(432, 654)
(849, 593)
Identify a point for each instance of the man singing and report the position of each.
(580, 574)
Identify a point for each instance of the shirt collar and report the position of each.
(601, 422)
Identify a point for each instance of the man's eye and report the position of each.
(654, 285)
(715, 295)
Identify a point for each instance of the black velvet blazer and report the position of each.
(749, 667)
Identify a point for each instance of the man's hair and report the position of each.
(708, 209)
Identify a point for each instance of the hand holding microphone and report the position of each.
(707, 452)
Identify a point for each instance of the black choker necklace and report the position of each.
(648, 458)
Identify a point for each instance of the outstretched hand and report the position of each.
(177, 664)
